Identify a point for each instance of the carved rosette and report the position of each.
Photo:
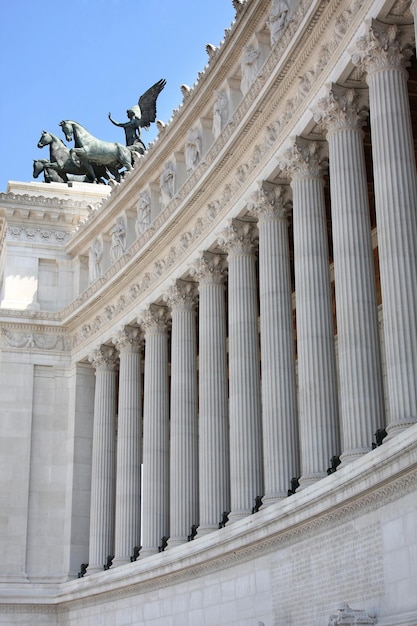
(104, 358)
(342, 109)
(238, 238)
(154, 320)
(128, 340)
(182, 296)
(210, 269)
(382, 47)
(270, 202)
(303, 160)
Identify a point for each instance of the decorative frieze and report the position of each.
(37, 235)
(35, 341)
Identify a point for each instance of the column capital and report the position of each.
(238, 237)
(181, 296)
(210, 269)
(270, 202)
(341, 109)
(154, 319)
(384, 46)
(129, 339)
(104, 358)
(305, 159)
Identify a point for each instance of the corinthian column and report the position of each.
(279, 401)
(383, 55)
(318, 408)
(361, 392)
(129, 432)
(214, 474)
(244, 389)
(155, 497)
(103, 462)
(184, 426)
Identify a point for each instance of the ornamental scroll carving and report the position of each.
(272, 133)
(38, 235)
(104, 358)
(270, 202)
(40, 341)
(341, 109)
(210, 269)
(154, 320)
(182, 295)
(304, 159)
(238, 238)
(129, 339)
(383, 46)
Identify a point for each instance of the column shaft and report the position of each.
(318, 405)
(214, 474)
(244, 373)
(129, 432)
(360, 372)
(155, 522)
(184, 426)
(279, 400)
(103, 462)
(395, 203)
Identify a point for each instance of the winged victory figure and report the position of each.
(141, 115)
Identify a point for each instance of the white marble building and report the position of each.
(225, 375)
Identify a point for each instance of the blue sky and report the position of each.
(81, 59)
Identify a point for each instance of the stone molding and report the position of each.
(35, 339)
(274, 124)
(215, 208)
(37, 235)
(295, 519)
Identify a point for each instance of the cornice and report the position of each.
(230, 169)
(193, 212)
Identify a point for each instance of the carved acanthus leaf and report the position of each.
(155, 319)
(383, 46)
(270, 202)
(303, 160)
(341, 109)
(238, 238)
(104, 357)
(182, 295)
(209, 269)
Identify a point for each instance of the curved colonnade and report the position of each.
(259, 330)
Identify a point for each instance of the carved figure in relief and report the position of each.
(249, 65)
(167, 183)
(118, 240)
(277, 19)
(95, 258)
(192, 149)
(220, 113)
(143, 215)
